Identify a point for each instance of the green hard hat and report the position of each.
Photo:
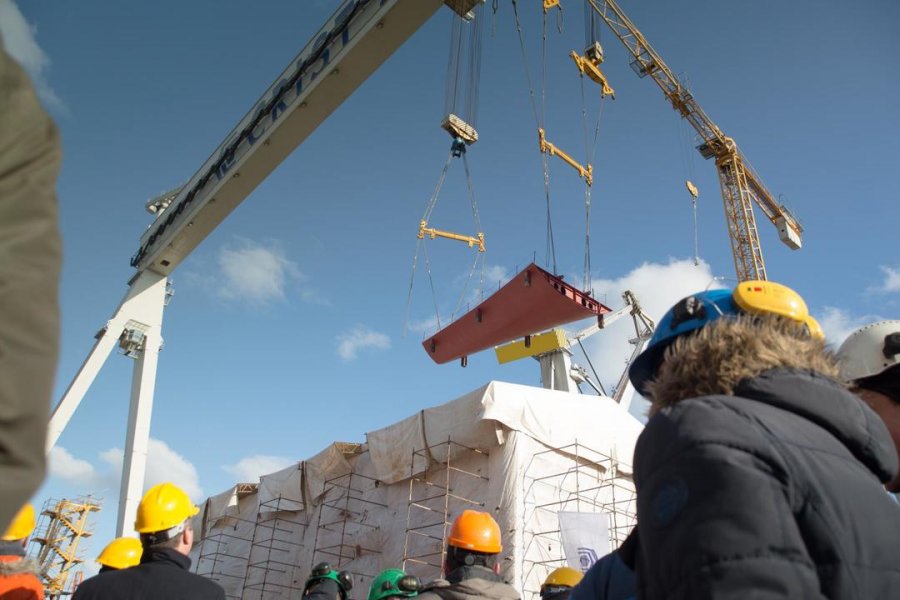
(394, 582)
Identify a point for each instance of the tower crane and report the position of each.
(741, 186)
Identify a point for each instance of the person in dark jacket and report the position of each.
(611, 577)
(471, 564)
(164, 524)
(758, 474)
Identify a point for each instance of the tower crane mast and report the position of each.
(741, 186)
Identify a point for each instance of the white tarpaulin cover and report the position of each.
(522, 453)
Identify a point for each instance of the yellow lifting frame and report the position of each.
(433, 233)
(546, 147)
(591, 69)
(548, 4)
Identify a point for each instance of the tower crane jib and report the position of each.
(741, 186)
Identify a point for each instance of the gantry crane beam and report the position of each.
(741, 186)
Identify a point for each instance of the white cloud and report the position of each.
(163, 464)
(839, 323)
(19, 41)
(891, 280)
(249, 469)
(257, 273)
(657, 287)
(73, 471)
(360, 337)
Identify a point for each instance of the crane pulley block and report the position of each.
(471, 241)
(589, 66)
(587, 173)
(457, 128)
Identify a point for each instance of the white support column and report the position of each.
(143, 384)
(147, 319)
(555, 371)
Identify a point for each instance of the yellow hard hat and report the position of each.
(163, 507)
(563, 577)
(21, 526)
(474, 530)
(121, 553)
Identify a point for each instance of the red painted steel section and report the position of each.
(532, 301)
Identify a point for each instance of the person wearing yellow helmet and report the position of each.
(19, 575)
(166, 536)
(120, 553)
(559, 583)
(758, 472)
(472, 568)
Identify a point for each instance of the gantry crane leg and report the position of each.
(137, 327)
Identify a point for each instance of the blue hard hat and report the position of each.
(689, 314)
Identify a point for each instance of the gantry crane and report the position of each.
(741, 186)
(353, 43)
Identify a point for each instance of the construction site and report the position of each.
(385, 497)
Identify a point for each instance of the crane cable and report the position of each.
(550, 256)
(591, 34)
(463, 77)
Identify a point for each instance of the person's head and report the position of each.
(120, 553)
(870, 365)
(394, 583)
(474, 540)
(164, 519)
(710, 341)
(21, 526)
(559, 583)
(328, 580)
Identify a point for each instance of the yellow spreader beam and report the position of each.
(424, 230)
(592, 70)
(546, 147)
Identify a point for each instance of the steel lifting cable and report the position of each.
(420, 244)
(590, 150)
(539, 120)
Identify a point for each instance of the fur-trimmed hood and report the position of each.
(714, 360)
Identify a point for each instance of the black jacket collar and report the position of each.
(166, 555)
(827, 403)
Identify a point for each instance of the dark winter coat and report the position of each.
(469, 583)
(774, 492)
(609, 578)
(162, 575)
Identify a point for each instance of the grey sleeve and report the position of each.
(30, 256)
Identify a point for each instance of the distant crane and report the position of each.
(741, 186)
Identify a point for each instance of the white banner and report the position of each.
(584, 537)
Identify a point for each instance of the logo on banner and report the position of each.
(586, 558)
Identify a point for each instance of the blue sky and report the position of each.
(286, 330)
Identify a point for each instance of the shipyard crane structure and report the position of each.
(351, 45)
(741, 186)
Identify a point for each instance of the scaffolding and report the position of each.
(348, 516)
(220, 557)
(274, 549)
(61, 526)
(435, 474)
(594, 482)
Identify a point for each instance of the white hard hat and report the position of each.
(870, 350)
